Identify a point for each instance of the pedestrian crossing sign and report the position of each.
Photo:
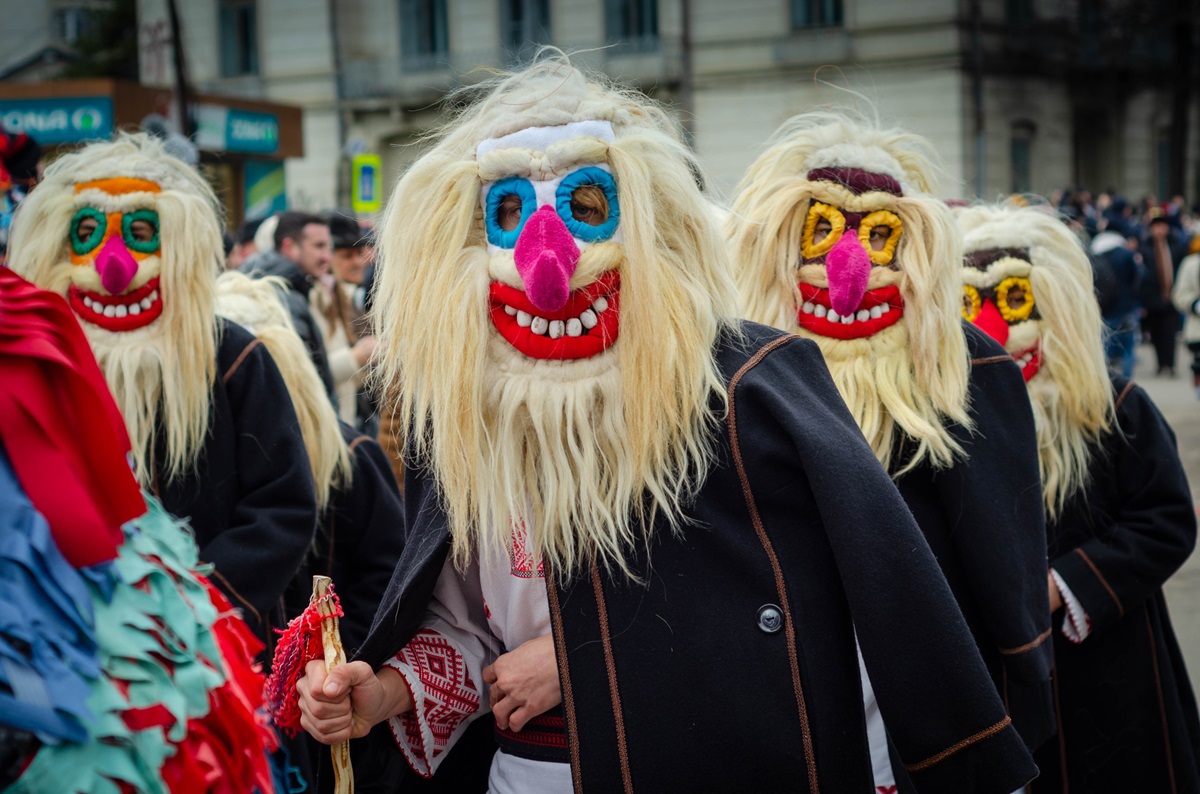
(366, 184)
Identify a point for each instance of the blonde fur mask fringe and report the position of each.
(1071, 393)
(255, 304)
(585, 452)
(912, 376)
(160, 375)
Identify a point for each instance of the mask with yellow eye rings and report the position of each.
(972, 303)
(837, 222)
(868, 225)
(1013, 298)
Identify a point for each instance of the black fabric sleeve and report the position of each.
(273, 523)
(376, 538)
(935, 694)
(993, 499)
(1154, 528)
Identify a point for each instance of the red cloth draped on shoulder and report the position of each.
(66, 438)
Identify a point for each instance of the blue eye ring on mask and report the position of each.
(502, 189)
(591, 175)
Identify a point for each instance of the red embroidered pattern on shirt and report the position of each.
(520, 560)
(450, 694)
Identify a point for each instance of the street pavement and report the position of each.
(1177, 400)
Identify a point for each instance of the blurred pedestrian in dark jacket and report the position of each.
(1161, 253)
(1118, 276)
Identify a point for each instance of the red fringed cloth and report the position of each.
(299, 644)
(57, 413)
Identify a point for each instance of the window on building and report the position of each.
(632, 24)
(525, 25)
(73, 23)
(816, 13)
(1021, 156)
(1018, 12)
(426, 37)
(239, 37)
(1163, 164)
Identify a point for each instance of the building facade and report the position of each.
(1017, 95)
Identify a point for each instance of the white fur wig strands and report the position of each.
(160, 375)
(1071, 394)
(913, 375)
(586, 452)
(256, 304)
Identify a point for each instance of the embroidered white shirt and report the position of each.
(494, 607)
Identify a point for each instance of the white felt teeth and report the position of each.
(556, 329)
(862, 315)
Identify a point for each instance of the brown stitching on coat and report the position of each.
(233, 592)
(1029, 646)
(354, 444)
(238, 361)
(964, 744)
(810, 760)
(990, 360)
(560, 645)
(1062, 740)
(1084, 556)
(1162, 709)
(611, 665)
(1124, 393)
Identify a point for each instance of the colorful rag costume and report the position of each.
(121, 668)
(130, 236)
(600, 452)
(836, 237)
(1120, 513)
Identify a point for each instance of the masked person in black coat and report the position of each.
(642, 535)
(836, 237)
(1121, 522)
(131, 236)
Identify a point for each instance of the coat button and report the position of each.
(770, 618)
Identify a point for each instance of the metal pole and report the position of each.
(182, 94)
(977, 94)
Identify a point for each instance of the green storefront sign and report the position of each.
(223, 129)
(59, 120)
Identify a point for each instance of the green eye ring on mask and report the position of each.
(141, 246)
(81, 246)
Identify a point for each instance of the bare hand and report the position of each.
(348, 702)
(523, 683)
(1056, 600)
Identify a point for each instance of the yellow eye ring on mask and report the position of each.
(837, 222)
(1014, 314)
(971, 303)
(868, 224)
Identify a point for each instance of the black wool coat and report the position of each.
(732, 666)
(249, 498)
(983, 519)
(1127, 719)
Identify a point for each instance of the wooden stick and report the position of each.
(331, 641)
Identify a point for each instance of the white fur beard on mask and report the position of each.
(557, 448)
(876, 379)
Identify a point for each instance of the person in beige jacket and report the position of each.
(1186, 297)
(332, 308)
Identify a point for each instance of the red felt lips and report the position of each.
(130, 322)
(858, 329)
(592, 342)
(1029, 369)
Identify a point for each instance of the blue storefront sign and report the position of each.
(266, 188)
(59, 120)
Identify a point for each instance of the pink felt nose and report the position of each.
(546, 256)
(115, 265)
(848, 267)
